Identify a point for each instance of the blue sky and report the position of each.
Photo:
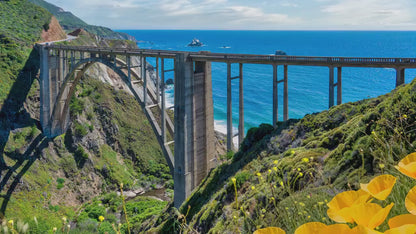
(245, 14)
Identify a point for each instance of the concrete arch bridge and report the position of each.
(192, 130)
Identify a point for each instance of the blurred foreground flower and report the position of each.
(410, 201)
(270, 230)
(380, 187)
(340, 206)
(401, 220)
(370, 215)
(407, 165)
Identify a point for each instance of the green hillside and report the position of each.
(285, 176)
(74, 178)
(21, 24)
(70, 22)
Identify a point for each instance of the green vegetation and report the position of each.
(70, 22)
(21, 24)
(285, 176)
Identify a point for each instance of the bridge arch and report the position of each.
(193, 136)
(59, 118)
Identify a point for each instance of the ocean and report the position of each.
(308, 86)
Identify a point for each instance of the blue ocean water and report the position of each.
(308, 86)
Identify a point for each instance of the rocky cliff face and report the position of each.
(54, 32)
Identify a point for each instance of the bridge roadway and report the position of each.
(193, 130)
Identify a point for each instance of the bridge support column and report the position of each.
(285, 95)
(241, 107)
(45, 99)
(275, 96)
(194, 126)
(399, 76)
(339, 86)
(331, 87)
(229, 110)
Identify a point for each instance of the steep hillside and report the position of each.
(70, 22)
(284, 177)
(78, 174)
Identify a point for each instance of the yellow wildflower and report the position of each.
(270, 171)
(233, 179)
(308, 217)
(380, 187)
(10, 223)
(404, 116)
(258, 174)
(268, 230)
(306, 160)
(381, 165)
(275, 162)
(54, 229)
(253, 188)
(281, 184)
(101, 218)
(275, 168)
(299, 169)
(323, 219)
(407, 165)
(301, 204)
(308, 196)
(300, 174)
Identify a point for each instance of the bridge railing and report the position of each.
(250, 58)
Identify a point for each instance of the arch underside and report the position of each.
(59, 120)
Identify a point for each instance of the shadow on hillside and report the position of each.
(13, 115)
(29, 157)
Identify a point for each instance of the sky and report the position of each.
(246, 14)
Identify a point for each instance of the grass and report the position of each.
(285, 176)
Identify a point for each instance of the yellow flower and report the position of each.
(270, 171)
(372, 132)
(54, 229)
(253, 188)
(337, 228)
(410, 201)
(370, 215)
(281, 184)
(258, 174)
(308, 217)
(407, 165)
(308, 196)
(408, 228)
(299, 169)
(306, 160)
(10, 223)
(363, 230)
(270, 230)
(301, 204)
(234, 217)
(300, 174)
(381, 165)
(275, 162)
(310, 228)
(340, 206)
(286, 208)
(64, 219)
(401, 220)
(323, 219)
(404, 116)
(233, 180)
(272, 198)
(321, 203)
(275, 168)
(380, 187)
(101, 218)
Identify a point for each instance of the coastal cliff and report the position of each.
(285, 176)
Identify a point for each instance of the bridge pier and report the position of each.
(194, 126)
(400, 76)
(45, 102)
(285, 94)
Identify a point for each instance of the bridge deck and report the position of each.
(255, 59)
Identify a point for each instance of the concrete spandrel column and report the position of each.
(399, 76)
(184, 139)
(339, 86)
(331, 87)
(45, 107)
